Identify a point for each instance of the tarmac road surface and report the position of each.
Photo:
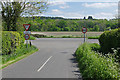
(53, 60)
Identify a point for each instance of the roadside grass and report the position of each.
(94, 65)
(93, 37)
(32, 38)
(18, 55)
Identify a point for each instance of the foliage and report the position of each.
(22, 40)
(12, 11)
(61, 24)
(90, 17)
(94, 65)
(95, 47)
(32, 38)
(18, 53)
(109, 40)
(11, 41)
(93, 37)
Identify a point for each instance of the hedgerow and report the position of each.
(109, 40)
(94, 65)
(11, 41)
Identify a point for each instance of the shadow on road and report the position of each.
(76, 68)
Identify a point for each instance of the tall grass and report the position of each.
(18, 53)
(94, 65)
(93, 37)
(32, 38)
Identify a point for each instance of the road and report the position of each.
(53, 60)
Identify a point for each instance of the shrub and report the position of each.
(94, 65)
(109, 40)
(11, 41)
(22, 40)
(95, 47)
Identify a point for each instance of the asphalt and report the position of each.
(53, 60)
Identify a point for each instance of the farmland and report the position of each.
(75, 34)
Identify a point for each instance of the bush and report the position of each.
(22, 40)
(109, 40)
(95, 47)
(94, 65)
(11, 41)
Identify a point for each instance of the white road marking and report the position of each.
(44, 64)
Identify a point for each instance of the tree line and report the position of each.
(61, 24)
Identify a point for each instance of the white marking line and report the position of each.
(44, 64)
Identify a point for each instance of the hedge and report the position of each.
(11, 41)
(109, 40)
(95, 66)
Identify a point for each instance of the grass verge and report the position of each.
(94, 37)
(32, 38)
(94, 65)
(18, 55)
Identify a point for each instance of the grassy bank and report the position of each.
(93, 37)
(94, 65)
(17, 55)
(32, 38)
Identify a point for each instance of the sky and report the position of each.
(79, 9)
(98, 9)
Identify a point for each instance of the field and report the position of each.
(74, 34)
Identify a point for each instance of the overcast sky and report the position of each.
(79, 8)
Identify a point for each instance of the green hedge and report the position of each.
(109, 40)
(11, 41)
(94, 65)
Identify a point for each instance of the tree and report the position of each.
(62, 24)
(96, 28)
(90, 17)
(11, 11)
(84, 18)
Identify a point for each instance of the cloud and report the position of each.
(56, 3)
(64, 6)
(56, 11)
(100, 5)
(104, 15)
(73, 15)
(79, 15)
(84, 0)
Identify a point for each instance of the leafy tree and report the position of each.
(66, 29)
(96, 28)
(11, 11)
(90, 17)
(62, 24)
(84, 18)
